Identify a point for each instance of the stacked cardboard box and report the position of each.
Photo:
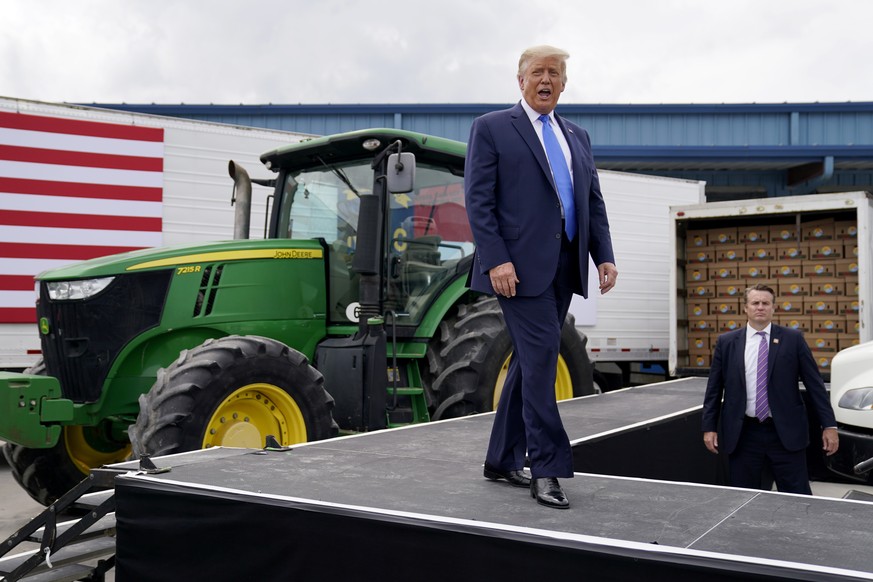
(812, 267)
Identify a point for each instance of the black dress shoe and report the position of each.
(547, 491)
(517, 478)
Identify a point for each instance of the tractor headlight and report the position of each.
(857, 399)
(71, 290)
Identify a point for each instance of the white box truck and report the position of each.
(814, 251)
(628, 329)
(79, 182)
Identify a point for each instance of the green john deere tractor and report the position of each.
(351, 315)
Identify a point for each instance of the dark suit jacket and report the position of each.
(790, 360)
(514, 207)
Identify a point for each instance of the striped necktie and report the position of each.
(762, 404)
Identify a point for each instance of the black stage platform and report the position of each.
(411, 504)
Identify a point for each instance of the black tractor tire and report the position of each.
(233, 391)
(46, 474)
(467, 355)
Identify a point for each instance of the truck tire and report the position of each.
(468, 359)
(233, 391)
(46, 474)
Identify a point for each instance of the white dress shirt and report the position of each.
(538, 127)
(753, 342)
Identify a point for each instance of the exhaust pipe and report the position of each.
(242, 198)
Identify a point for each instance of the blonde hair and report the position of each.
(540, 52)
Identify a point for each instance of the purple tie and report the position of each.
(762, 405)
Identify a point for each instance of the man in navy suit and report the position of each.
(770, 428)
(534, 203)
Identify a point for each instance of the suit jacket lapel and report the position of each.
(529, 135)
(775, 342)
(740, 355)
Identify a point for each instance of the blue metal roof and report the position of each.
(740, 149)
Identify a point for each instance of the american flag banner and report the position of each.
(72, 190)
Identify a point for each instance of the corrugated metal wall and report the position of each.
(627, 133)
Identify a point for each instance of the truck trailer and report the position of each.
(628, 329)
(814, 251)
(79, 182)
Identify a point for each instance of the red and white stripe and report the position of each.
(72, 190)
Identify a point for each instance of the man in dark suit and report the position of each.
(763, 417)
(534, 203)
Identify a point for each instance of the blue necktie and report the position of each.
(562, 176)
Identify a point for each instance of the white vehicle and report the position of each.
(79, 182)
(852, 401)
(813, 251)
(628, 329)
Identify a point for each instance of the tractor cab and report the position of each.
(406, 227)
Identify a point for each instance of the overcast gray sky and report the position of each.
(441, 51)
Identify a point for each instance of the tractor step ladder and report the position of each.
(411, 404)
(65, 547)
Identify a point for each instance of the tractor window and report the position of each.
(323, 203)
(427, 233)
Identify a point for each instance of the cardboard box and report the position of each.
(753, 234)
(697, 238)
(821, 342)
(819, 268)
(730, 322)
(729, 288)
(849, 306)
(696, 273)
(828, 324)
(722, 236)
(701, 290)
(701, 255)
(820, 306)
(755, 270)
(827, 286)
(799, 287)
(850, 250)
(845, 229)
(724, 306)
(701, 324)
(799, 322)
(825, 249)
(698, 308)
(791, 250)
(730, 253)
(846, 267)
(852, 286)
(699, 360)
(781, 269)
(823, 360)
(790, 304)
(853, 324)
(699, 342)
(847, 341)
(822, 229)
(723, 271)
(783, 232)
(760, 252)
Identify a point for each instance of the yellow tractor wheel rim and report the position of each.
(246, 417)
(85, 456)
(563, 381)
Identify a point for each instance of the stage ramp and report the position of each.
(411, 504)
